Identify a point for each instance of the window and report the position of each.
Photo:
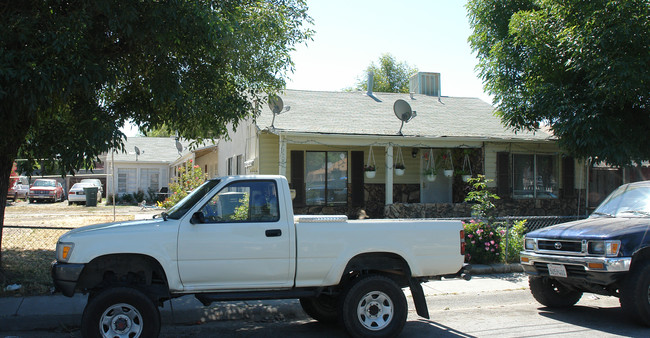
(534, 176)
(149, 179)
(245, 201)
(229, 166)
(326, 177)
(126, 180)
(240, 165)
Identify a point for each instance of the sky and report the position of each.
(430, 35)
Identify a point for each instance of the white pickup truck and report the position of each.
(236, 238)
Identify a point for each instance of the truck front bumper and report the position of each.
(65, 277)
(599, 270)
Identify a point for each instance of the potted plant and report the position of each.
(370, 171)
(464, 175)
(430, 174)
(444, 161)
(399, 169)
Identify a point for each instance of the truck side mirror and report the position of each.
(197, 218)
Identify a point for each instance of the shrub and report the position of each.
(515, 235)
(190, 178)
(482, 243)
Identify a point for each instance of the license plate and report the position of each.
(557, 270)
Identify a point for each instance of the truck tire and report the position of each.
(120, 312)
(373, 306)
(635, 294)
(551, 293)
(322, 308)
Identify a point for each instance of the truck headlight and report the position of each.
(529, 244)
(64, 251)
(604, 248)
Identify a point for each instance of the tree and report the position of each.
(579, 67)
(390, 76)
(72, 72)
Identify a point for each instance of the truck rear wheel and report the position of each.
(635, 294)
(373, 306)
(322, 308)
(552, 293)
(120, 312)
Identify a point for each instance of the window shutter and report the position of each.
(568, 177)
(298, 176)
(357, 174)
(503, 174)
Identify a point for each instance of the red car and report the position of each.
(45, 189)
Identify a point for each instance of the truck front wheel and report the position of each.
(120, 312)
(635, 293)
(322, 308)
(552, 293)
(373, 306)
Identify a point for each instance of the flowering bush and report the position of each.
(190, 177)
(482, 243)
(515, 235)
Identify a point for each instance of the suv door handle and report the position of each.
(273, 233)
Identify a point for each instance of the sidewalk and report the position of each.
(50, 312)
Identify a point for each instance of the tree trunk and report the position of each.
(7, 157)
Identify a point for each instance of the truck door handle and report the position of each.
(273, 233)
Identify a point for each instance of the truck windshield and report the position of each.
(181, 208)
(626, 201)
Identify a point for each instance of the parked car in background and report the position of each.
(96, 182)
(76, 194)
(45, 189)
(18, 189)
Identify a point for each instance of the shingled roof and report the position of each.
(152, 149)
(357, 113)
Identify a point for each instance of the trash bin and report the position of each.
(91, 196)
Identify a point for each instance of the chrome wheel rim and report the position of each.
(121, 320)
(375, 310)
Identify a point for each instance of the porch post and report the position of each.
(389, 174)
(282, 157)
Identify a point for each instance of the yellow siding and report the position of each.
(269, 154)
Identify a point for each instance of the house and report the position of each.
(321, 141)
(145, 166)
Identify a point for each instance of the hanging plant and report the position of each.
(447, 163)
(466, 173)
(399, 163)
(430, 168)
(370, 168)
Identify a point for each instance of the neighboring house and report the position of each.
(145, 166)
(205, 156)
(321, 142)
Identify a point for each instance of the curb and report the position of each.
(485, 269)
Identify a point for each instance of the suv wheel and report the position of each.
(552, 293)
(635, 294)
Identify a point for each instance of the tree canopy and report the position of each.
(390, 75)
(581, 68)
(72, 72)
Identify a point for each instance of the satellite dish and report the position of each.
(277, 106)
(403, 112)
(179, 146)
(137, 152)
